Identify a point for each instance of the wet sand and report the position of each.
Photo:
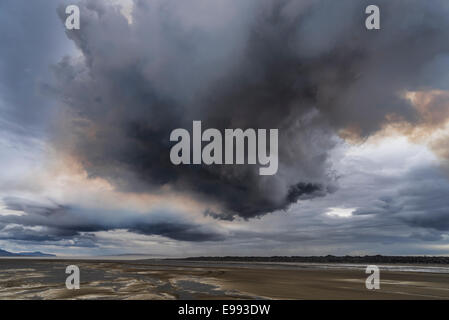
(161, 279)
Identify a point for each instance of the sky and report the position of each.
(86, 116)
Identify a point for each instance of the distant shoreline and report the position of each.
(328, 259)
(377, 259)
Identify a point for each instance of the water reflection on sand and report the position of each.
(170, 279)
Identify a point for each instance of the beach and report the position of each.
(37, 279)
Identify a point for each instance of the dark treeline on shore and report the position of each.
(331, 259)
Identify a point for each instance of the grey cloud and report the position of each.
(46, 235)
(57, 222)
(24, 205)
(420, 201)
(32, 38)
(309, 70)
(427, 236)
(178, 231)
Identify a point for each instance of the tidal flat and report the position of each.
(36, 279)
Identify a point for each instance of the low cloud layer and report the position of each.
(53, 222)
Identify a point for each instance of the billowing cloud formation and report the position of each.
(308, 68)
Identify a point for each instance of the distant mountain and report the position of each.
(4, 253)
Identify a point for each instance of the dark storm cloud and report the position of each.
(177, 231)
(309, 68)
(53, 222)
